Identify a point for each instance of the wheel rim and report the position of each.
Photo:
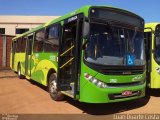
(53, 87)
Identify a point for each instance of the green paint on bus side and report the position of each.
(42, 63)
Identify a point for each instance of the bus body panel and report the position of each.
(41, 64)
(19, 59)
(92, 94)
(155, 76)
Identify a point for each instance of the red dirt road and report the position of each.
(22, 96)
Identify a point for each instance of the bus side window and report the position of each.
(38, 42)
(157, 44)
(13, 46)
(23, 44)
(51, 43)
(157, 48)
(30, 38)
(18, 45)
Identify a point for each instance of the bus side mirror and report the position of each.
(86, 27)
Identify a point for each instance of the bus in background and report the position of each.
(95, 54)
(152, 44)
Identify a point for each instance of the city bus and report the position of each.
(94, 54)
(152, 43)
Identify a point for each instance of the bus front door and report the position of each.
(69, 58)
(148, 50)
(28, 56)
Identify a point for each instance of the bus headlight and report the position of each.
(95, 81)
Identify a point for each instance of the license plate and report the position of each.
(127, 93)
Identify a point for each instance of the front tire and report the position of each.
(52, 87)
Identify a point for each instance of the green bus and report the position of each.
(94, 54)
(152, 43)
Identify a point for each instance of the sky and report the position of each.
(148, 9)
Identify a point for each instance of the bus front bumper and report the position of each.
(92, 94)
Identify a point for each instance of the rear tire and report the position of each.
(19, 72)
(52, 88)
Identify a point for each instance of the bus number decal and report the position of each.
(52, 58)
(36, 55)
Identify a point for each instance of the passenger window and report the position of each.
(18, 46)
(157, 48)
(51, 43)
(38, 43)
(23, 44)
(157, 44)
(13, 49)
(30, 41)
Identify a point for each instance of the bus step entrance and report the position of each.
(64, 87)
(66, 70)
(66, 73)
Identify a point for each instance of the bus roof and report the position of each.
(83, 9)
(151, 25)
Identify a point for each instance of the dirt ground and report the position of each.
(19, 96)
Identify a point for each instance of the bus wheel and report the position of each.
(19, 72)
(52, 87)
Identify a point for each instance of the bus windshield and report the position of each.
(110, 45)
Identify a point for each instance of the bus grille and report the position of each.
(115, 85)
(123, 70)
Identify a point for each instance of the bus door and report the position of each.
(148, 51)
(28, 56)
(69, 55)
(157, 46)
(155, 76)
(13, 52)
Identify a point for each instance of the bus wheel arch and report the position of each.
(51, 71)
(52, 86)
